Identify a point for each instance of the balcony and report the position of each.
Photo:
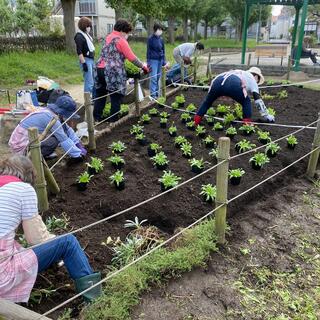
(86, 8)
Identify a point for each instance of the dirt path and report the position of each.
(269, 268)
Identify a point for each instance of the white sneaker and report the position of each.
(51, 156)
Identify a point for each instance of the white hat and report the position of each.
(257, 71)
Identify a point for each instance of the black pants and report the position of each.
(304, 54)
(49, 145)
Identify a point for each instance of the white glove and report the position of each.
(268, 118)
(261, 107)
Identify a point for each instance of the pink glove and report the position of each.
(197, 119)
(247, 121)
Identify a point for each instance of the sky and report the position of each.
(276, 10)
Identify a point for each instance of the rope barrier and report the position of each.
(113, 274)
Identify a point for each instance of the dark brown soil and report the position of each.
(180, 207)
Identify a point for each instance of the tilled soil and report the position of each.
(178, 208)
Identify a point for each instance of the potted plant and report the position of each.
(141, 138)
(136, 128)
(163, 122)
(160, 160)
(153, 149)
(164, 115)
(235, 176)
(178, 141)
(271, 111)
(131, 70)
(208, 192)
(153, 112)
(117, 147)
(259, 160)
(238, 111)
(191, 108)
(209, 141)
(222, 110)
(174, 106)
(95, 166)
(106, 110)
(247, 129)
(231, 132)
(211, 112)
(264, 137)
(214, 153)
(185, 117)
(210, 120)
(190, 125)
(168, 180)
(172, 130)
(124, 110)
(196, 165)
(218, 126)
(244, 145)
(118, 180)
(161, 102)
(180, 100)
(292, 142)
(116, 161)
(83, 180)
(145, 118)
(200, 131)
(272, 149)
(186, 149)
(229, 119)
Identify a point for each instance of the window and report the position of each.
(87, 7)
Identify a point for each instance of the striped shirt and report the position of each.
(18, 201)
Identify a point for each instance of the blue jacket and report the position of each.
(155, 49)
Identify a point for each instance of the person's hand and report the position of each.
(197, 120)
(146, 69)
(268, 118)
(82, 148)
(186, 60)
(247, 121)
(73, 161)
(167, 66)
(85, 67)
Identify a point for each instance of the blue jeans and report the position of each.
(67, 249)
(232, 88)
(156, 75)
(88, 76)
(174, 74)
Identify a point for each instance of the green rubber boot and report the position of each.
(85, 283)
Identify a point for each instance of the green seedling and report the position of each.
(160, 159)
(174, 106)
(164, 115)
(53, 223)
(185, 117)
(161, 100)
(124, 109)
(248, 129)
(140, 136)
(95, 164)
(209, 192)
(117, 147)
(272, 148)
(190, 124)
(116, 160)
(222, 109)
(283, 94)
(228, 118)
(198, 163)
(180, 140)
(180, 99)
(153, 112)
(292, 140)
(155, 147)
(217, 126)
(244, 145)
(264, 136)
(200, 130)
(211, 112)
(236, 173)
(271, 111)
(186, 149)
(191, 108)
(169, 180)
(117, 177)
(136, 224)
(172, 129)
(208, 140)
(106, 110)
(85, 177)
(238, 111)
(259, 159)
(136, 128)
(145, 118)
(231, 131)
(163, 120)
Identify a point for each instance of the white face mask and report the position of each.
(158, 32)
(126, 36)
(88, 29)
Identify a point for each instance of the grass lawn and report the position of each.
(16, 68)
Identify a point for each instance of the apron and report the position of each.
(18, 273)
(237, 73)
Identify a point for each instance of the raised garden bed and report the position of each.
(178, 208)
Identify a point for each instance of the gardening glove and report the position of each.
(247, 121)
(268, 118)
(35, 230)
(146, 69)
(72, 161)
(82, 148)
(85, 67)
(197, 120)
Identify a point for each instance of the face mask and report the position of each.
(88, 29)
(158, 32)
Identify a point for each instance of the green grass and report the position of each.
(122, 292)
(16, 68)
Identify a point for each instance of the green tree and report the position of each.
(25, 18)
(119, 6)
(214, 15)
(7, 17)
(42, 11)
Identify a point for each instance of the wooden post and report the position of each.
(163, 82)
(182, 71)
(289, 67)
(48, 128)
(12, 311)
(136, 96)
(40, 183)
(90, 122)
(249, 59)
(51, 181)
(314, 157)
(222, 188)
(208, 65)
(195, 67)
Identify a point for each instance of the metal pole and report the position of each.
(245, 33)
(259, 25)
(314, 157)
(90, 122)
(295, 27)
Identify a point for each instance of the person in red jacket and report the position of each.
(111, 75)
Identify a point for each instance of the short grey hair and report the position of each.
(18, 166)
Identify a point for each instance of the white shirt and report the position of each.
(187, 49)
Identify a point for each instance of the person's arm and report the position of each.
(80, 43)
(262, 107)
(123, 47)
(71, 134)
(190, 51)
(34, 229)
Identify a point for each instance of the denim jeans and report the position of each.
(232, 88)
(67, 249)
(49, 146)
(156, 75)
(88, 76)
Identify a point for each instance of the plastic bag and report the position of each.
(26, 99)
(46, 83)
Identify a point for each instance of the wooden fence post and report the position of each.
(182, 71)
(222, 188)
(208, 65)
(249, 59)
(35, 155)
(163, 82)
(136, 96)
(314, 157)
(51, 181)
(90, 122)
(195, 67)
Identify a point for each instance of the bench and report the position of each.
(271, 51)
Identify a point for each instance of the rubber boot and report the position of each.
(85, 283)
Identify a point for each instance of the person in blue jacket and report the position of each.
(156, 58)
(59, 135)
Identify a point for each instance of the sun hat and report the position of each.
(257, 71)
(65, 106)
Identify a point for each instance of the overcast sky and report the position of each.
(276, 10)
